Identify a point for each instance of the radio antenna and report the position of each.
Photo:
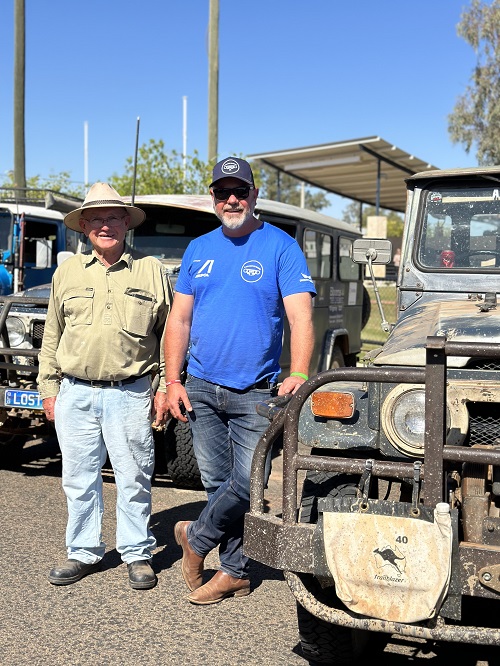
(134, 177)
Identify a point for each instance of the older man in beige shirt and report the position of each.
(102, 346)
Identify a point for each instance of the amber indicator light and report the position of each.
(332, 404)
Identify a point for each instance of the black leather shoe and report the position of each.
(70, 572)
(140, 575)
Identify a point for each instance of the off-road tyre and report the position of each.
(338, 360)
(322, 642)
(180, 459)
(11, 447)
(366, 309)
(324, 484)
(325, 643)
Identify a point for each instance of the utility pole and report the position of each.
(213, 80)
(19, 84)
(184, 135)
(85, 155)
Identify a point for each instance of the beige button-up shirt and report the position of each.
(105, 322)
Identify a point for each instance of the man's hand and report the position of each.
(177, 396)
(160, 410)
(290, 385)
(48, 407)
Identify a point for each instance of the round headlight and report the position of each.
(403, 418)
(408, 418)
(17, 331)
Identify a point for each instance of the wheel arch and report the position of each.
(334, 337)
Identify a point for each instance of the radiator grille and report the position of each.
(484, 364)
(484, 423)
(37, 333)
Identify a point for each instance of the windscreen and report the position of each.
(167, 231)
(460, 229)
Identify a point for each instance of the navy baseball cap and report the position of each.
(233, 167)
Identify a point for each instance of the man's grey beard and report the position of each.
(234, 221)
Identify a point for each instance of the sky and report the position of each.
(291, 74)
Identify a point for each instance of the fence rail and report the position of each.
(33, 196)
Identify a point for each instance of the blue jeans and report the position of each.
(92, 423)
(226, 429)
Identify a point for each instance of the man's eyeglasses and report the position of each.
(223, 193)
(111, 221)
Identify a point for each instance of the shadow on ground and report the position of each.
(42, 456)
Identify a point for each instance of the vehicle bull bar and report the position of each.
(6, 352)
(285, 544)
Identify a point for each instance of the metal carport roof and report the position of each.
(369, 170)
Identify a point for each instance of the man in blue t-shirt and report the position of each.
(235, 285)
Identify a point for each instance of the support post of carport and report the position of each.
(377, 202)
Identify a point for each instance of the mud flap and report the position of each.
(389, 560)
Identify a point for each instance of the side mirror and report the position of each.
(62, 256)
(378, 250)
(373, 251)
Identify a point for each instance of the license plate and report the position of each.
(23, 399)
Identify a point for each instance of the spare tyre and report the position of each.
(182, 467)
(366, 308)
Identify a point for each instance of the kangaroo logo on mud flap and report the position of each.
(392, 558)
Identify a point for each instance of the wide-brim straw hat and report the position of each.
(102, 195)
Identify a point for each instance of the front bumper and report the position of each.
(285, 544)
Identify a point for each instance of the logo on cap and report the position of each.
(230, 167)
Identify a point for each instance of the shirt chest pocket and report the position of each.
(78, 306)
(138, 311)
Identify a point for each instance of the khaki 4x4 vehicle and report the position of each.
(397, 527)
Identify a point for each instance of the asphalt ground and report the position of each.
(101, 621)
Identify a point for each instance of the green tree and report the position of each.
(266, 178)
(475, 120)
(59, 182)
(395, 222)
(160, 172)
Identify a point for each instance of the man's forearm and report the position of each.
(301, 345)
(176, 345)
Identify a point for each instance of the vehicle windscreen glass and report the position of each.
(167, 231)
(460, 229)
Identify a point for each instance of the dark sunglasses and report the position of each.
(223, 193)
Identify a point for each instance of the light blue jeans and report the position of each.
(92, 423)
(226, 429)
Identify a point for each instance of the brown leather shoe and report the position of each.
(222, 585)
(192, 563)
